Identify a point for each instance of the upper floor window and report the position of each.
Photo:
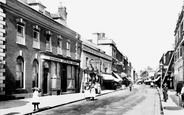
(77, 51)
(36, 37)
(20, 31)
(19, 72)
(181, 30)
(48, 41)
(59, 46)
(181, 52)
(68, 48)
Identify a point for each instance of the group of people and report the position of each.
(90, 90)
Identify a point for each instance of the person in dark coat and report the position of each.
(165, 95)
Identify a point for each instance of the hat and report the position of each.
(36, 88)
(165, 84)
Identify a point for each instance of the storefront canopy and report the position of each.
(156, 79)
(117, 76)
(109, 77)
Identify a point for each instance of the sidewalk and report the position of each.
(171, 107)
(24, 106)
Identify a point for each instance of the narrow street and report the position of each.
(140, 101)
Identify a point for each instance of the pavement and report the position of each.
(25, 107)
(172, 106)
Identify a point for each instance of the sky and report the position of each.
(142, 29)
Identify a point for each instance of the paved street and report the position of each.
(122, 102)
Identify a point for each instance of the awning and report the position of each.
(157, 79)
(117, 76)
(123, 74)
(109, 77)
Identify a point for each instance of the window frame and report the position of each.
(68, 48)
(36, 41)
(59, 45)
(48, 36)
(19, 71)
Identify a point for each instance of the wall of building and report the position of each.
(17, 11)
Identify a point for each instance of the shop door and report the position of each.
(64, 78)
(45, 80)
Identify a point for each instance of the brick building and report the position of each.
(37, 50)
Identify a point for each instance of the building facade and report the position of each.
(109, 46)
(178, 49)
(38, 50)
(94, 62)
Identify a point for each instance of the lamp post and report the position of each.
(161, 67)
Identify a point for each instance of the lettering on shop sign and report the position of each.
(64, 61)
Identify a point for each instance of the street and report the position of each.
(140, 101)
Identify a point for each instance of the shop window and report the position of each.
(70, 77)
(35, 74)
(49, 41)
(19, 72)
(68, 48)
(20, 32)
(36, 37)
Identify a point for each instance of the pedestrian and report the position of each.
(87, 91)
(165, 89)
(130, 86)
(35, 99)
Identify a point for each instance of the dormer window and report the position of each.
(48, 41)
(20, 31)
(36, 37)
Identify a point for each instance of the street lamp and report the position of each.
(161, 67)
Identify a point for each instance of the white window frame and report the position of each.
(68, 48)
(36, 41)
(49, 36)
(59, 45)
(21, 36)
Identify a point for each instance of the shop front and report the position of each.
(59, 76)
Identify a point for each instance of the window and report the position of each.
(59, 46)
(20, 31)
(70, 77)
(68, 48)
(181, 29)
(19, 73)
(35, 74)
(181, 53)
(86, 62)
(77, 51)
(36, 37)
(48, 41)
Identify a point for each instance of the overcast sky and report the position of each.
(142, 29)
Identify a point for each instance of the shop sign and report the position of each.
(59, 60)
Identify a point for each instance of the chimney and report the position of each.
(101, 35)
(62, 11)
(97, 37)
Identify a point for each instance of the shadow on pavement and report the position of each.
(172, 108)
(175, 99)
(11, 104)
(13, 113)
